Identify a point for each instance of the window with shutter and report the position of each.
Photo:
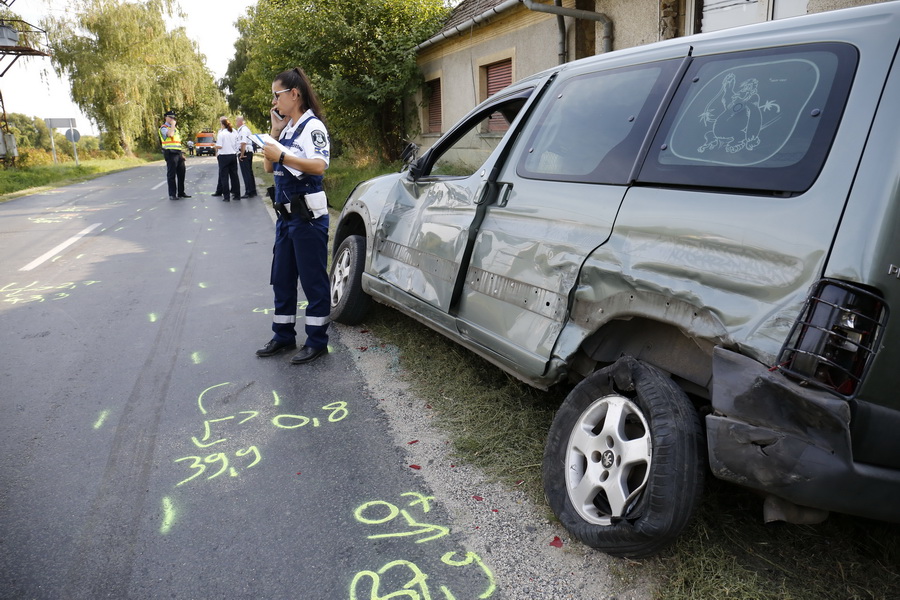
(498, 76)
(434, 106)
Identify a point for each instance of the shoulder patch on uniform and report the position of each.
(319, 139)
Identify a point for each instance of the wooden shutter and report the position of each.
(499, 75)
(434, 106)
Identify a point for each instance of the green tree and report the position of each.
(29, 131)
(126, 69)
(360, 55)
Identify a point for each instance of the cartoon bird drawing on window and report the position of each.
(734, 117)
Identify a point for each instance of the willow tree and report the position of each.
(360, 55)
(126, 69)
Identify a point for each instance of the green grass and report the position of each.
(14, 181)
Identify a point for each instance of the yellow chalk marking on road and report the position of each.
(168, 515)
(100, 420)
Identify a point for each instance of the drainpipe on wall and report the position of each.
(578, 14)
(561, 25)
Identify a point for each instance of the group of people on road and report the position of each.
(234, 150)
(297, 160)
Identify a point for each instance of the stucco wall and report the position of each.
(635, 22)
(816, 6)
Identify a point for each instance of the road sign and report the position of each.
(72, 135)
(55, 123)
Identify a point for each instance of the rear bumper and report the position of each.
(773, 435)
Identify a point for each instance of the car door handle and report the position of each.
(503, 197)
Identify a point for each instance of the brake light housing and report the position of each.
(836, 337)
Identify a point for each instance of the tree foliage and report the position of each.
(359, 54)
(126, 69)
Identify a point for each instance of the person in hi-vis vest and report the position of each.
(170, 138)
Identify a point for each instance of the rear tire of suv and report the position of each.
(624, 462)
(349, 303)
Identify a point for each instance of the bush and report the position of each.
(33, 157)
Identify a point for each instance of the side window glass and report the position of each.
(466, 148)
(593, 127)
(760, 120)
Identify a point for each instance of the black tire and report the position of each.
(634, 506)
(349, 303)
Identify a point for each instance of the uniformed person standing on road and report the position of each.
(170, 138)
(298, 162)
(245, 158)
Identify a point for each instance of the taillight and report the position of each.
(833, 342)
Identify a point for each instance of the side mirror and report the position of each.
(409, 153)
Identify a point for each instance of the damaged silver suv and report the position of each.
(703, 233)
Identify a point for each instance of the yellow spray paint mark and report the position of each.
(203, 285)
(153, 317)
(200, 397)
(277, 399)
(196, 358)
(168, 519)
(100, 420)
(172, 270)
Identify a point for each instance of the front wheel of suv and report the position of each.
(349, 303)
(624, 462)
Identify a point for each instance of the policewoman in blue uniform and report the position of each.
(298, 162)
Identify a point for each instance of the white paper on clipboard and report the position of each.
(263, 138)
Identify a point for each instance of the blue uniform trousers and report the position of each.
(301, 250)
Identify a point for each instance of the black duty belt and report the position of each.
(283, 211)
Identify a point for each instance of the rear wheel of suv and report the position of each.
(624, 462)
(349, 303)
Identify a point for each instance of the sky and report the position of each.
(32, 88)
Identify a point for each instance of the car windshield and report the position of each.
(204, 139)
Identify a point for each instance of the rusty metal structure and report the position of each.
(17, 39)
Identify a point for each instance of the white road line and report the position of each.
(36, 262)
(164, 181)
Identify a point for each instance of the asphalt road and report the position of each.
(145, 452)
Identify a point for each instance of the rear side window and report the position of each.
(592, 127)
(759, 120)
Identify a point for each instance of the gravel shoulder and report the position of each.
(514, 537)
